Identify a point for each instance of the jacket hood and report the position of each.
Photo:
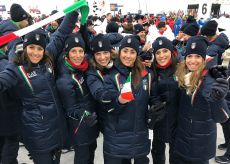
(7, 26)
(115, 38)
(222, 41)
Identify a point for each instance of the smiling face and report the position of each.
(163, 56)
(76, 55)
(102, 58)
(128, 56)
(142, 35)
(35, 53)
(194, 62)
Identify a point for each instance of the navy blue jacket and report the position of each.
(126, 132)
(96, 81)
(41, 130)
(76, 98)
(42, 116)
(10, 108)
(196, 131)
(164, 83)
(217, 47)
(6, 27)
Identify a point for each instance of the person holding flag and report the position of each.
(19, 20)
(128, 86)
(31, 75)
(77, 101)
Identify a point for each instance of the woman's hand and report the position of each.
(147, 63)
(123, 101)
(219, 89)
(219, 71)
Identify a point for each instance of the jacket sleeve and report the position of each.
(111, 93)
(96, 87)
(154, 96)
(85, 36)
(8, 78)
(57, 40)
(219, 110)
(68, 97)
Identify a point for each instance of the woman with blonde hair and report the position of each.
(201, 104)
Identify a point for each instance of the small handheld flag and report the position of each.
(81, 4)
(77, 128)
(126, 91)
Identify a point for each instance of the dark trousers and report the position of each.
(85, 154)
(140, 160)
(1, 146)
(47, 158)
(226, 131)
(180, 160)
(158, 151)
(9, 149)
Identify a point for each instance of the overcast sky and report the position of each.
(150, 6)
(129, 5)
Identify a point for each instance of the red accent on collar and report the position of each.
(213, 39)
(144, 73)
(204, 72)
(165, 66)
(83, 66)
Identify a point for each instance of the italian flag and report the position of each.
(81, 4)
(126, 91)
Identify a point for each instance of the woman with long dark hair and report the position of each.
(32, 76)
(125, 126)
(165, 91)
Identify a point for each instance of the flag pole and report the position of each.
(81, 4)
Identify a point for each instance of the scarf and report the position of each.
(83, 66)
(165, 66)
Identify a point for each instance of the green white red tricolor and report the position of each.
(126, 91)
(81, 4)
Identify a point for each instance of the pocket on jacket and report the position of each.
(32, 115)
(111, 122)
(48, 111)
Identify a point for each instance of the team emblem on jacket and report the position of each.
(32, 74)
(145, 84)
(81, 80)
(193, 45)
(49, 69)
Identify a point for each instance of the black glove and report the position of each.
(164, 97)
(219, 71)
(155, 114)
(219, 89)
(90, 118)
(146, 55)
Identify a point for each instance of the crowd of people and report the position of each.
(121, 76)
